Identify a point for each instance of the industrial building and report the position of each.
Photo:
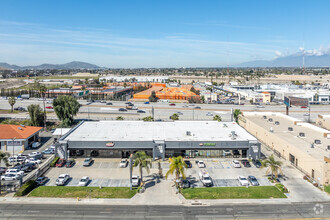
(305, 145)
(158, 139)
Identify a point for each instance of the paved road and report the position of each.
(244, 211)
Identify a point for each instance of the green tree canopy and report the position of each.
(237, 112)
(12, 101)
(153, 97)
(148, 118)
(36, 115)
(217, 118)
(142, 160)
(274, 167)
(177, 166)
(175, 117)
(65, 108)
(120, 118)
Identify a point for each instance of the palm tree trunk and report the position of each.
(140, 167)
(45, 128)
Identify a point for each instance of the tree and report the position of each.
(177, 166)
(153, 97)
(217, 118)
(12, 102)
(36, 115)
(273, 166)
(65, 108)
(175, 117)
(120, 118)
(42, 91)
(148, 118)
(142, 160)
(4, 158)
(236, 113)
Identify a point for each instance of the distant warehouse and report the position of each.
(158, 139)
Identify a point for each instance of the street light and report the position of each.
(13, 140)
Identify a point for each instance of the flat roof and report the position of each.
(149, 131)
(311, 132)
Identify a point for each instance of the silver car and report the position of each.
(87, 162)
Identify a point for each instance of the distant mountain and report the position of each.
(71, 65)
(295, 60)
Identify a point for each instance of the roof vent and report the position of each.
(19, 128)
(233, 133)
(271, 129)
(312, 145)
(225, 126)
(22, 125)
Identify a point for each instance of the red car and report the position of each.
(172, 104)
(303, 106)
(60, 163)
(49, 107)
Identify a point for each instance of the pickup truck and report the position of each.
(205, 178)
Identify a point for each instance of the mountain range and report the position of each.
(71, 65)
(294, 60)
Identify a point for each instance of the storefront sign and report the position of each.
(110, 144)
(207, 144)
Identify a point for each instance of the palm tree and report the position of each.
(12, 102)
(142, 160)
(177, 166)
(4, 157)
(42, 91)
(273, 166)
(237, 112)
(217, 118)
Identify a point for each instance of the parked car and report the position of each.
(257, 163)
(21, 158)
(236, 164)
(103, 101)
(172, 104)
(201, 164)
(109, 103)
(60, 163)
(135, 181)
(41, 180)
(42, 99)
(49, 107)
(83, 181)
(15, 172)
(185, 184)
(12, 159)
(123, 163)
(205, 178)
(242, 180)
(35, 145)
(122, 109)
(22, 109)
(9, 176)
(209, 114)
(260, 106)
(48, 151)
(33, 160)
(2, 170)
(253, 181)
(127, 103)
(87, 162)
(141, 111)
(245, 163)
(147, 103)
(69, 163)
(306, 114)
(62, 179)
(35, 154)
(29, 167)
(197, 107)
(188, 163)
(179, 113)
(49, 102)
(303, 107)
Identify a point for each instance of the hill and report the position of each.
(71, 65)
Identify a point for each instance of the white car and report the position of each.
(306, 114)
(33, 160)
(209, 114)
(12, 159)
(243, 181)
(10, 176)
(15, 172)
(236, 164)
(49, 102)
(83, 181)
(62, 179)
(34, 154)
(135, 181)
(260, 106)
(42, 99)
(35, 145)
(123, 163)
(201, 164)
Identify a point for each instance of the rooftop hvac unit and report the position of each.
(225, 125)
(271, 129)
(312, 145)
(188, 133)
(233, 133)
(290, 128)
(19, 128)
(301, 134)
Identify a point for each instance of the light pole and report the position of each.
(309, 113)
(13, 140)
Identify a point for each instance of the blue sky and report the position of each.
(155, 33)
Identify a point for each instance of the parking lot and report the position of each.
(106, 172)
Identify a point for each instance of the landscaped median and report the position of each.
(327, 189)
(83, 192)
(259, 192)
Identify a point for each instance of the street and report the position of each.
(244, 211)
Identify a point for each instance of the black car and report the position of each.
(20, 109)
(90, 100)
(122, 110)
(130, 104)
(185, 184)
(188, 163)
(245, 163)
(69, 163)
(29, 167)
(127, 103)
(141, 111)
(109, 103)
(257, 163)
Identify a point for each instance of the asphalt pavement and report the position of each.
(246, 211)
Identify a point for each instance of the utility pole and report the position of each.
(130, 170)
(13, 140)
(309, 113)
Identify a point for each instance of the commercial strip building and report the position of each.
(158, 139)
(16, 138)
(306, 146)
(323, 121)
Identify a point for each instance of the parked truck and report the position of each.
(205, 178)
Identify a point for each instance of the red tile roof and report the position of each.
(13, 131)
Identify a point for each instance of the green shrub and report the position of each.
(52, 164)
(26, 188)
(282, 188)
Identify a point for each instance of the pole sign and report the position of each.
(287, 101)
(207, 144)
(110, 144)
